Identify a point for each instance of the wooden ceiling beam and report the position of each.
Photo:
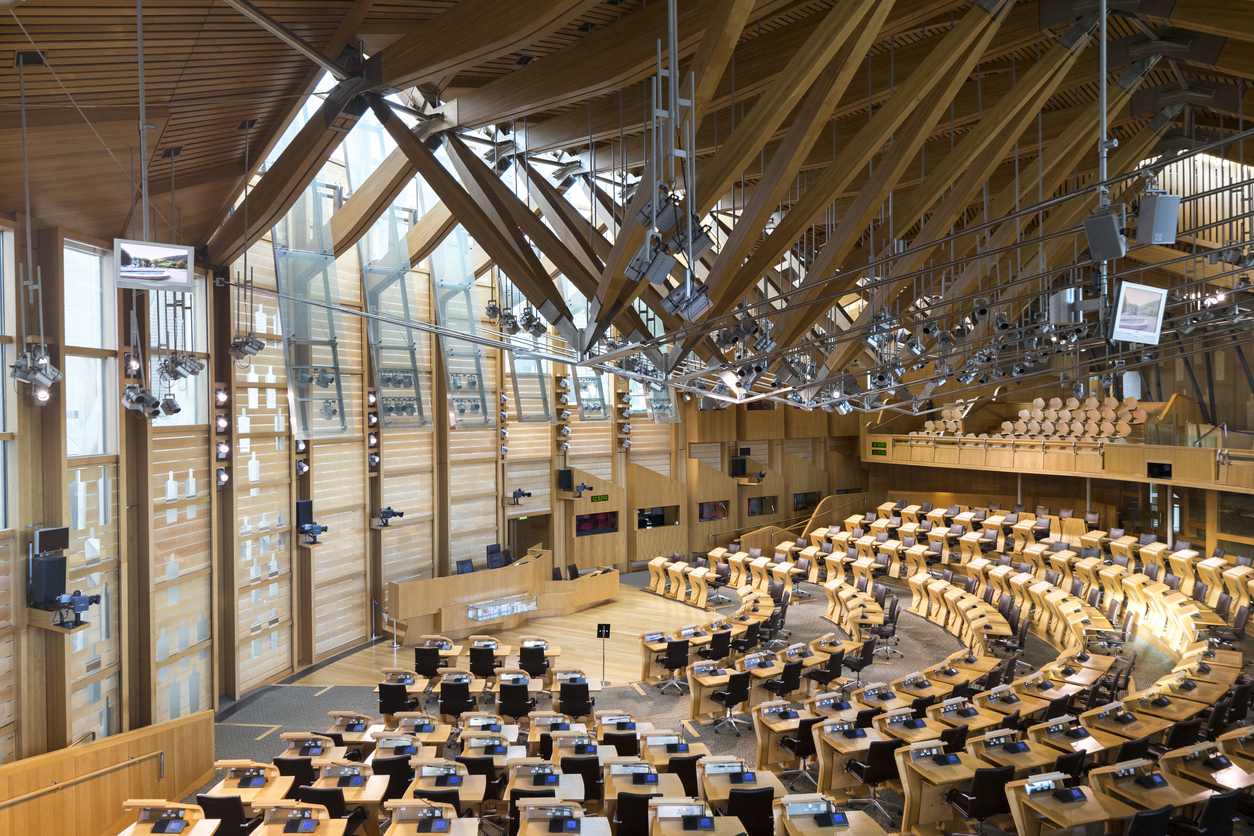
(470, 33)
(839, 25)
(282, 184)
(713, 54)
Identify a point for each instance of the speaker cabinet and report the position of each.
(1158, 218)
(1104, 230)
(47, 580)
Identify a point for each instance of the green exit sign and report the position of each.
(601, 497)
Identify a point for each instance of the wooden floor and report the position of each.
(631, 614)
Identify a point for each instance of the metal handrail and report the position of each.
(709, 538)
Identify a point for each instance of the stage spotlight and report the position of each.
(328, 410)
(302, 467)
(223, 476)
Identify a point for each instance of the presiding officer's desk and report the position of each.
(772, 722)
(1125, 781)
(794, 816)
(407, 814)
(537, 774)
(837, 742)
(278, 817)
(1003, 748)
(926, 781)
(256, 784)
(156, 812)
(1067, 735)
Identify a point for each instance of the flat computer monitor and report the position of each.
(1139, 313)
(52, 540)
(465, 567)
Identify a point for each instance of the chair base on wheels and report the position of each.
(798, 774)
(674, 682)
(873, 800)
(730, 720)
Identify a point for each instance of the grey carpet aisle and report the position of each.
(289, 707)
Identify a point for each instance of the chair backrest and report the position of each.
(805, 737)
(1222, 604)
(1092, 517)
(557, 573)
(1218, 716)
(952, 511)
(518, 793)
(1150, 822)
(956, 530)
(738, 687)
(1112, 611)
(862, 720)
(955, 739)
(626, 744)
(720, 644)
(400, 774)
(1121, 560)
(1059, 546)
(1090, 552)
(925, 507)
(778, 557)
(1042, 511)
(1171, 581)
(753, 808)
(633, 811)
(803, 565)
(969, 584)
(919, 705)
(925, 526)
(227, 809)
(791, 677)
(676, 653)
(330, 797)
(1242, 560)
(515, 700)
(483, 662)
(1052, 577)
(532, 660)
(754, 553)
(301, 769)
(1019, 508)
(861, 584)
(1010, 721)
(723, 571)
(1183, 733)
(881, 765)
(775, 589)
(1181, 545)
(1077, 587)
(836, 661)
(993, 678)
(393, 698)
(589, 767)
(478, 765)
(1095, 597)
(1057, 707)
(825, 548)
(1004, 603)
(686, 769)
(1070, 764)
(455, 698)
(880, 593)
(574, 699)
(979, 516)
(572, 571)
(1147, 539)
(947, 575)
(427, 661)
(1024, 568)
(1132, 750)
(1199, 591)
(1066, 513)
(988, 788)
(990, 535)
(1016, 612)
(1238, 623)
(1218, 813)
(908, 542)
(733, 548)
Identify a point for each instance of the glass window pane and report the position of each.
(1236, 514)
(89, 296)
(88, 424)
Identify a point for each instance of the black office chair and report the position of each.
(719, 647)
(987, 797)
(229, 811)
(686, 769)
(920, 705)
(674, 660)
(1199, 591)
(1227, 638)
(718, 580)
(1057, 707)
(754, 809)
(574, 701)
(533, 661)
(1215, 722)
(483, 662)
(864, 718)
(789, 680)
(428, 662)
(1215, 819)
(1182, 733)
(887, 632)
(801, 746)
(1011, 721)
(572, 571)
(400, 774)
(484, 765)
(557, 574)
(589, 768)
(1072, 765)
(1131, 750)
(880, 766)
(1150, 822)
(626, 744)
(632, 814)
(300, 770)
(518, 793)
(394, 698)
(737, 692)
(866, 658)
(333, 799)
(954, 739)
(829, 673)
(455, 699)
(515, 701)
(545, 751)
(749, 640)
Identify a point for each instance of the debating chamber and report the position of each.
(626, 417)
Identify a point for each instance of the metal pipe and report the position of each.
(143, 115)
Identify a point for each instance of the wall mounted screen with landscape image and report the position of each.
(143, 265)
(1139, 313)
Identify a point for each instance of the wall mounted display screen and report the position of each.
(1139, 313)
(605, 522)
(711, 511)
(142, 265)
(657, 517)
(807, 501)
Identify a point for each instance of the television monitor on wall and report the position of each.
(465, 567)
(1139, 313)
(143, 265)
(602, 522)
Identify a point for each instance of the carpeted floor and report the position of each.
(250, 727)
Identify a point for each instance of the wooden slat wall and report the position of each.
(534, 477)
(659, 463)
(650, 445)
(802, 448)
(408, 553)
(759, 451)
(602, 467)
(408, 547)
(708, 453)
(339, 582)
(8, 724)
(473, 494)
(185, 686)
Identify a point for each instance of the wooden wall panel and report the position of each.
(707, 485)
(181, 539)
(659, 462)
(407, 449)
(758, 423)
(799, 423)
(6, 583)
(708, 453)
(264, 605)
(339, 615)
(8, 705)
(602, 467)
(608, 549)
(340, 603)
(339, 475)
(802, 448)
(182, 616)
(408, 553)
(649, 489)
(185, 686)
(265, 657)
(536, 478)
(709, 425)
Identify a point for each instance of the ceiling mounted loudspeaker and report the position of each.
(1104, 231)
(1157, 218)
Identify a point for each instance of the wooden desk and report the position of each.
(1097, 808)
(1177, 710)
(926, 782)
(255, 798)
(1097, 741)
(931, 729)
(1037, 756)
(982, 719)
(860, 824)
(703, 681)
(591, 825)
(326, 827)
(201, 827)
(718, 787)
(1179, 792)
(470, 791)
(368, 795)
(568, 788)
(661, 759)
(932, 689)
(770, 730)
(1228, 778)
(1204, 692)
(723, 826)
